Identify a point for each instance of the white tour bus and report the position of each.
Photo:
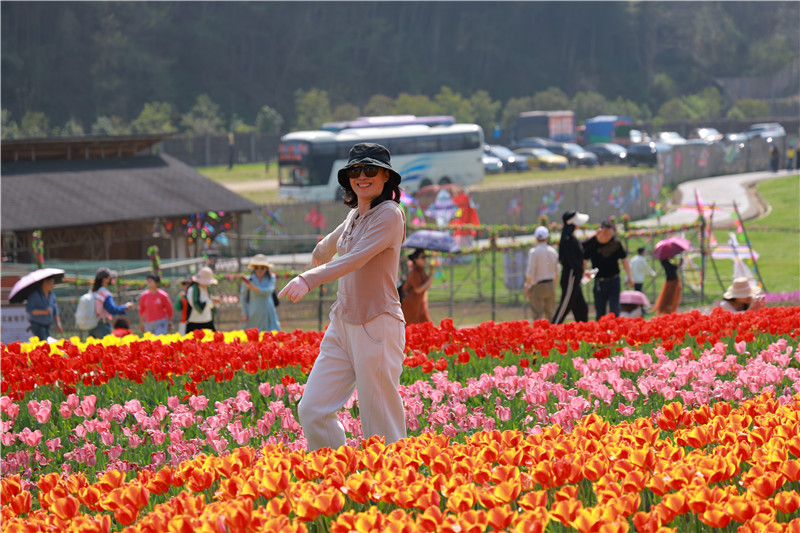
(308, 161)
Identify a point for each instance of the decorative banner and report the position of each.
(550, 202)
(38, 248)
(316, 219)
(155, 260)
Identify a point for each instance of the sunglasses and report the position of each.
(260, 268)
(370, 171)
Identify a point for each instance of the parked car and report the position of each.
(542, 158)
(706, 134)
(491, 164)
(575, 154)
(669, 137)
(511, 161)
(765, 130)
(608, 153)
(532, 142)
(646, 153)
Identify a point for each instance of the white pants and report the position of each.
(367, 357)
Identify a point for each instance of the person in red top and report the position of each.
(155, 308)
(415, 302)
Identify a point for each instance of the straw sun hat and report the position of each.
(260, 260)
(205, 277)
(741, 288)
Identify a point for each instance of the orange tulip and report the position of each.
(790, 469)
(501, 517)
(21, 503)
(532, 521)
(714, 516)
(462, 499)
(45, 483)
(533, 500)
(9, 488)
(741, 510)
(764, 486)
(430, 518)
(787, 501)
(565, 511)
(110, 480)
(66, 508)
(126, 514)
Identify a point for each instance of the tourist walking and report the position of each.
(605, 251)
(155, 308)
(570, 255)
(256, 296)
(420, 278)
(541, 275)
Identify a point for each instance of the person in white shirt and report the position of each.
(640, 269)
(541, 276)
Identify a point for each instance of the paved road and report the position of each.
(722, 191)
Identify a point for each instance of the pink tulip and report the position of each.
(53, 445)
(198, 403)
(31, 438)
(73, 402)
(173, 402)
(107, 438)
(8, 439)
(263, 389)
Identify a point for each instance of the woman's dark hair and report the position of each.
(154, 277)
(102, 273)
(391, 191)
(122, 322)
(416, 253)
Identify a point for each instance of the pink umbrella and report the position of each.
(670, 247)
(25, 285)
(634, 297)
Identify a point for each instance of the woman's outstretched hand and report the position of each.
(294, 290)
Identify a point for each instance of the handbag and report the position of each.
(275, 299)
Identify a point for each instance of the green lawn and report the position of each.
(776, 236)
(239, 173)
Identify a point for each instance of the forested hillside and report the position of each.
(83, 60)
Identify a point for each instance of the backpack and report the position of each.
(85, 314)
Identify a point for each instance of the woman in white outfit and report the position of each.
(363, 346)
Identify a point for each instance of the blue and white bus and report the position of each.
(308, 161)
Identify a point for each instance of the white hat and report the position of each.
(205, 277)
(576, 218)
(741, 288)
(260, 260)
(541, 233)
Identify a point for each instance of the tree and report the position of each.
(749, 108)
(155, 117)
(708, 103)
(203, 118)
(588, 105)
(112, 125)
(72, 128)
(484, 110)
(379, 105)
(452, 103)
(313, 109)
(674, 109)
(240, 126)
(268, 120)
(553, 99)
(10, 129)
(34, 124)
(417, 104)
(511, 111)
(346, 112)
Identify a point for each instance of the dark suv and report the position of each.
(646, 153)
(575, 154)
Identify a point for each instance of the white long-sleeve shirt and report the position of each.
(640, 269)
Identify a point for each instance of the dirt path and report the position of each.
(252, 186)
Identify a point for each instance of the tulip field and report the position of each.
(680, 423)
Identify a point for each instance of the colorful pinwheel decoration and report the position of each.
(199, 226)
(414, 214)
(155, 260)
(38, 248)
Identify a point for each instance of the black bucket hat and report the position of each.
(369, 154)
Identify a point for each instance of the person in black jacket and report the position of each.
(570, 255)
